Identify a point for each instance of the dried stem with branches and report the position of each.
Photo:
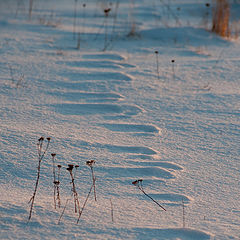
(41, 155)
(138, 183)
(90, 164)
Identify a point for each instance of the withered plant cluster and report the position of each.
(42, 149)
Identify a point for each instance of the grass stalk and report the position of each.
(138, 183)
(84, 204)
(183, 214)
(74, 18)
(65, 206)
(41, 155)
(90, 164)
(111, 204)
(157, 63)
(75, 194)
(106, 14)
(30, 9)
(173, 69)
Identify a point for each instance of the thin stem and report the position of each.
(74, 19)
(141, 189)
(173, 70)
(94, 180)
(115, 20)
(58, 197)
(76, 201)
(111, 210)
(30, 9)
(40, 157)
(106, 34)
(63, 211)
(54, 196)
(54, 179)
(156, 52)
(183, 209)
(35, 191)
(58, 189)
(84, 204)
(11, 73)
(153, 199)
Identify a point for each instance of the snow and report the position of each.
(179, 132)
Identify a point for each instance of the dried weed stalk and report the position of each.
(56, 182)
(75, 194)
(138, 183)
(41, 155)
(157, 62)
(90, 164)
(221, 17)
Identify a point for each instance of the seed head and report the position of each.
(156, 52)
(53, 154)
(48, 138)
(90, 163)
(135, 182)
(106, 11)
(59, 166)
(70, 167)
(41, 139)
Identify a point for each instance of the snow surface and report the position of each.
(178, 131)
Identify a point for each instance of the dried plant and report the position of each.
(84, 204)
(41, 155)
(65, 206)
(221, 16)
(90, 164)
(139, 185)
(206, 14)
(57, 187)
(56, 182)
(30, 9)
(111, 204)
(173, 69)
(74, 18)
(157, 62)
(115, 19)
(19, 82)
(75, 194)
(132, 22)
(80, 32)
(183, 214)
(106, 14)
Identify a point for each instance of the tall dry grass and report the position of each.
(221, 16)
